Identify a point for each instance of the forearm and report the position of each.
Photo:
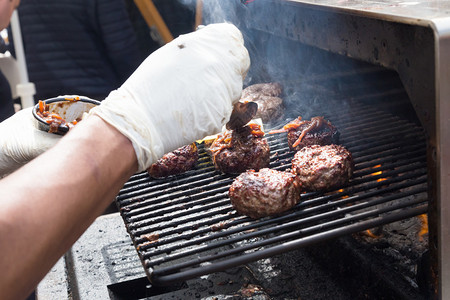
(68, 187)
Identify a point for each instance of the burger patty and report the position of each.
(321, 168)
(264, 193)
(273, 89)
(318, 131)
(267, 96)
(175, 162)
(270, 108)
(236, 151)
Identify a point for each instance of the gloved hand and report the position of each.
(21, 141)
(182, 92)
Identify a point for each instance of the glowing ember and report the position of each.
(424, 229)
(378, 173)
(372, 234)
(341, 191)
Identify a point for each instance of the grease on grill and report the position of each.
(218, 227)
(250, 291)
(151, 238)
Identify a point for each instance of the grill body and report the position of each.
(411, 38)
(184, 226)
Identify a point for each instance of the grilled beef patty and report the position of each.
(318, 131)
(321, 168)
(175, 162)
(267, 96)
(270, 109)
(264, 193)
(236, 151)
(273, 89)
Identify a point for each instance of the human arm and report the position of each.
(47, 204)
(182, 93)
(178, 80)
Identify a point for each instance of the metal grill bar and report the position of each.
(198, 231)
(339, 222)
(307, 217)
(163, 222)
(315, 205)
(288, 246)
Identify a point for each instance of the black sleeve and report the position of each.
(119, 36)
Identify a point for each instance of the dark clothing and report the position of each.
(84, 47)
(179, 18)
(6, 100)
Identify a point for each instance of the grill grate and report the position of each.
(184, 226)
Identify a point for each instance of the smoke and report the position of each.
(273, 59)
(219, 11)
(277, 57)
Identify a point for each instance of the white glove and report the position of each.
(21, 141)
(180, 93)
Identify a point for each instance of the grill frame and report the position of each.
(141, 191)
(412, 38)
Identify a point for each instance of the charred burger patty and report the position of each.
(318, 131)
(323, 167)
(267, 96)
(253, 91)
(175, 162)
(236, 151)
(264, 193)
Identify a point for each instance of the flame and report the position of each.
(378, 173)
(424, 229)
(371, 234)
(341, 191)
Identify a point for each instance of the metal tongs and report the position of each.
(243, 112)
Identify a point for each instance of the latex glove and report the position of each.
(21, 141)
(182, 92)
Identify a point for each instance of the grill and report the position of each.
(378, 71)
(184, 226)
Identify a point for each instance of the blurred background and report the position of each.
(88, 48)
